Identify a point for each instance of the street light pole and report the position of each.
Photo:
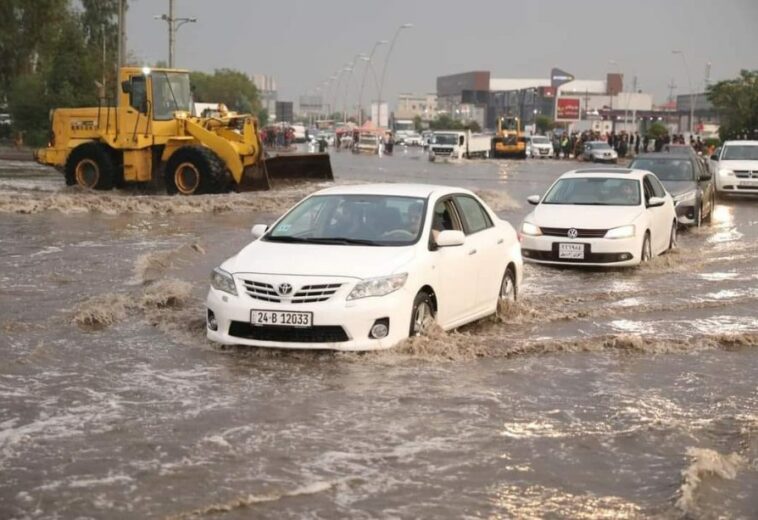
(173, 25)
(692, 94)
(386, 60)
(363, 81)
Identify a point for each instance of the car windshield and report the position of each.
(666, 169)
(599, 146)
(740, 152)
(371, 220)
(171, 93)
(444, 139)
(594, 191)
(540, 140)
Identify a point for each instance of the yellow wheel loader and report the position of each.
(509, 140)
(150, 135)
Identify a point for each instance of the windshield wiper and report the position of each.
(343, 240)
(320, 240)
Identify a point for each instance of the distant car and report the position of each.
(600, 152)
(299, 134)
(539, 146)
(5, 120)
(426, 138)
(413, 139)
(737, 167)
(364, 267)
(686, 177)
(367, 143)
(600, 217)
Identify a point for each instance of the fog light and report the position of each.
(211, 320)
(380, 329)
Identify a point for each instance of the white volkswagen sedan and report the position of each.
(363, 267)
(600, 217)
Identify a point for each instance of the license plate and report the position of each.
(751, 184)
(281, 318)
(571, 251)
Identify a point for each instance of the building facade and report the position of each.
(410, 106)
(267, 92)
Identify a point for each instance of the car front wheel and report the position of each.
(422, 315)
(672, 238)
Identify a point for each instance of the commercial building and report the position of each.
(410, 106)
(478, 96)
(267, 92)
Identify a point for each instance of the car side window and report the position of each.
(444, 218)
(647, 188)
(474, 215)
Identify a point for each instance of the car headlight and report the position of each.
(728, 173)
(621, 232)
(685, 197)
(223, 281)
(528, 228)
(377, 286)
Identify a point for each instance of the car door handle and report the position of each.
(472, 252)
(500, 240)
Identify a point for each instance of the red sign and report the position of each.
(567, 109)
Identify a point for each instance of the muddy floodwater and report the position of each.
(602, 394)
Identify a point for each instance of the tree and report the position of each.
(657, 131)
(737, 103)
(544, 124)
(417, 125)
(230, 87)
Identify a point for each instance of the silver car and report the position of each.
(599, 151)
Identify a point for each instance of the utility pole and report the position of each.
(173, 25)
(672, 87)
(121, 33)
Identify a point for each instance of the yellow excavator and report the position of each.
(509, 140)
(151, 135)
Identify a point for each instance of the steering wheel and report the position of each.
(398, 234)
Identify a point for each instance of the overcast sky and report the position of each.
(302, 43)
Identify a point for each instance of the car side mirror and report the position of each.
(259, 230)
(533, 199)
(715, 157)
(705, 177)
(450, 238)
(655, 202)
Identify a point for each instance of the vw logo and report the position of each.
(572, 233)
(284, 289)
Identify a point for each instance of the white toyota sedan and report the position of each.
(600, 217)
(363, 267)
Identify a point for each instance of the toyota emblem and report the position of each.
(572, 233)
(284, 289)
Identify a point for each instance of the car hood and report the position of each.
(583, 217)
(676, 188)
(319, 260)
(739, 165)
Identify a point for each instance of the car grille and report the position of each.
(305, 294)
(745, 174)
(442, 151)
(261, 291)
(581, 233)
(315, 293)
(316, 334)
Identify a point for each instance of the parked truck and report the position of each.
(151, 135)
(455, 144)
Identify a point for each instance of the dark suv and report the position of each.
(687, 178)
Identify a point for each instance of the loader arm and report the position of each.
(236, 153)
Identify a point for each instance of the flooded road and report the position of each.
(623, 393)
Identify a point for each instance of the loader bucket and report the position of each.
(254, 178)
(314, 166)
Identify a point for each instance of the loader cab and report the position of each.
(155, 94)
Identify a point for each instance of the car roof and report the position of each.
(663, 156)
(618, 173)
(397, 189)
(746, 143)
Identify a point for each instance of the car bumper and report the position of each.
(536, 152)
(608, 160)
(597, 251)
(733, 184)
(337, 324)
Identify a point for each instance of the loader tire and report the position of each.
(192, 170)
(90, 166)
